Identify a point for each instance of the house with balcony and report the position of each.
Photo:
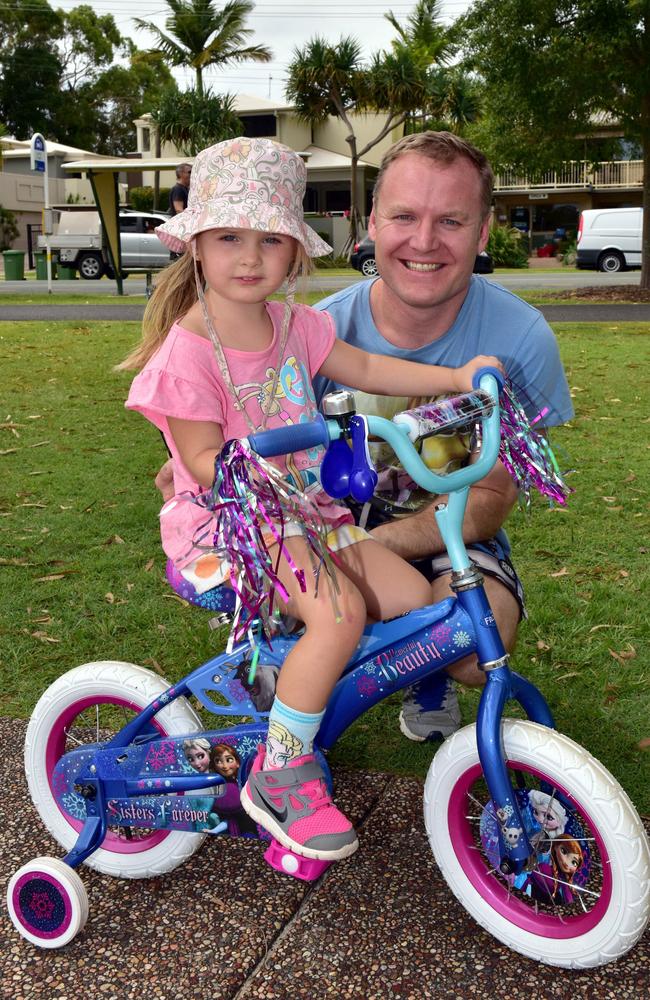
(554, 200)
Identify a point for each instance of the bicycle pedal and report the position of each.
(289, 863)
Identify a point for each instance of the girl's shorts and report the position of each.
(208, 570)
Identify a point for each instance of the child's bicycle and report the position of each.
(535, 838)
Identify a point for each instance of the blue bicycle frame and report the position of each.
(391, 655)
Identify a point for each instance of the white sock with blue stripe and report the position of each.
(291, 734)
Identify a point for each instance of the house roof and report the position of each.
(22, 147)
(325, 159)
(246, 102)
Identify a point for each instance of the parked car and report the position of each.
(363, 259)
(79, 243)
(609, 239)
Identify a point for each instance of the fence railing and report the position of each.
(576, 174)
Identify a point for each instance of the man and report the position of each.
(430, 218)
(179, 192)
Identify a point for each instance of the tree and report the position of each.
(58, 77)
(550, 72)
(193, 120)
(201, 35)
(331, 79)
(124, 93)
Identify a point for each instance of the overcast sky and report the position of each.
(279, 24)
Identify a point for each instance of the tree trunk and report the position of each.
(645, 237)
(156, 176)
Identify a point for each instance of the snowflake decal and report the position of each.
(41, 905)
(236, 692)
(160, 755)
(440, 633)
(369, 668)
(462, 639)
(367, 686)
(247, 746)
(74, 805)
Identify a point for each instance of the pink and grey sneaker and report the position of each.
(293, 804)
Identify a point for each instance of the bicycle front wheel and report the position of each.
(586, 899)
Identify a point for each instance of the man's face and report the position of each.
(428, 225)
(185, 175)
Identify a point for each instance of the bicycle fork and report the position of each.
(501, 685)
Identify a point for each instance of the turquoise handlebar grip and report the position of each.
(397, 437)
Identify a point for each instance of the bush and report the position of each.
(8, 229)
(141, 199)
(505, 248)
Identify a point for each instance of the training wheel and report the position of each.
(47, 902)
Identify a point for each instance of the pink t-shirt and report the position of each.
(182, 380)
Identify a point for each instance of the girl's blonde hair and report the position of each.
(174, 295)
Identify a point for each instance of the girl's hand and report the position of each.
(463, 376)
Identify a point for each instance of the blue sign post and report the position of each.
(38, 162)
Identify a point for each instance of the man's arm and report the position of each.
(488, 505)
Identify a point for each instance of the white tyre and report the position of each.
(586, 900)
(88, 705)
(47, 902)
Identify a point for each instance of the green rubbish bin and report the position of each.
(66, 273)
(14, 262)
(40, 258)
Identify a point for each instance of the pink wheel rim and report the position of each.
(494, 891)
(54, 751)
(49, 901)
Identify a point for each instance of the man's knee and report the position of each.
(507, 614)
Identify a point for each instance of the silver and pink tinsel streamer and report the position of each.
(526, 454)
(252, 501)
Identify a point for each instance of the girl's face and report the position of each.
(198, 758)
(243, 265)
(227, 765)
(568, 860)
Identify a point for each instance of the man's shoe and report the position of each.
(294, 805)
(430, 710)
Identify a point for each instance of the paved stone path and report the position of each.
(381, 926)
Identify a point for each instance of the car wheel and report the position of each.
(611, 261)
(91, 266)
(369, 267)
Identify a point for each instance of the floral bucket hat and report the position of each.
(245, 184)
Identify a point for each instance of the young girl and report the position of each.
(220, 362)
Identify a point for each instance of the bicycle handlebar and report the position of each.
(319, 431)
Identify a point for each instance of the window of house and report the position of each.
(259, 126)
(146, 140)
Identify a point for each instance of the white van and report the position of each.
(609, 239)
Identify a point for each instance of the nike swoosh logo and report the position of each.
(280, 814)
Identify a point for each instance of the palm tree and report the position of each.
(452, 100)
(327, 78)
(199, 34)
(429, 42)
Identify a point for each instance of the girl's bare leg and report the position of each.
(389, 585)
(316, 662)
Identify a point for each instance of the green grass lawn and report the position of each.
(83, 569)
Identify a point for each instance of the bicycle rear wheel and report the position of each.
(87, 706)
(586, 899)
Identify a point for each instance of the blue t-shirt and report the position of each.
(491, 321)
